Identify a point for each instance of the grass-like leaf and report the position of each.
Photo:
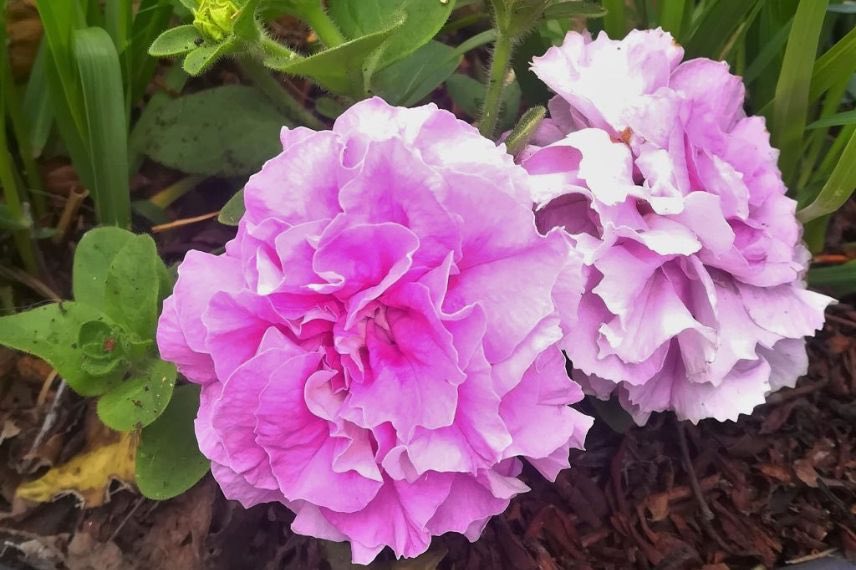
(838, 188)
(838, 62)
(103, 96)
(791, 103)
(838, 120)
(718, 27)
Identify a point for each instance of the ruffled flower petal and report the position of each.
(377, 348)
(695, 302)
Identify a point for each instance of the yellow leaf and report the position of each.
(87, 475)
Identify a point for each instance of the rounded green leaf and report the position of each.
(423, 19)
(139, 400)
(175, 41)
(168, 459)
(52, 332)
(189, 133)
(132, 286)
(201, 58)
(92, 258)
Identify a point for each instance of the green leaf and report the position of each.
(672, 16)
(615, 23)
(837, 62)
(92, 259)
(37, 105)
(843, 8)
(838, 188)
(168, 459)
(175, 41)
(772, 48)
(139, 400)
(51, 333)
(791, 103)
(131, 287)
(424, 18)
(233, 211)
(203, 57)
(103, 97)
(329, 107)
(342, 69)
(408, 81)
(715, 29)
(151, 19)
(559, 9)
(535, 92)
(839, 280)
(838, 120)
(468, 94)
(189, 133)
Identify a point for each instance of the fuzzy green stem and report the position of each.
(322, 24)
(499, 64)
(275, 55)
(278, 95)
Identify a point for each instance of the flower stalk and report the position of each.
(500, 62)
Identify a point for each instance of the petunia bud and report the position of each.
(215, 19)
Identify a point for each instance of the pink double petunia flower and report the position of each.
(377, 346)
(695, 301)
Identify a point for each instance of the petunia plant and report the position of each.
(102, 344)
(359, 40)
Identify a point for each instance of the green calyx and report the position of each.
(215, 19)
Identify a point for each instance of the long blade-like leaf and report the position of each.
(838, 61)
(841, 119)
(718, 26)
(791, 104)
(103, 96)
(672, 16)
(614, 23)
(838, 188)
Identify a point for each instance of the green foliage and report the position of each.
(168, 459)
(361, 40)
(189, 133)
(176, 41)
(410, 80)
(92, 75)
(342, 69)
(838, 187)
(422, 20)
(790, 106)
(838, 280)
(102, 343)
(140, 399)
(234, 209)
(105, 133)
(52, 332)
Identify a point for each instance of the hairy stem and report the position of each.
(323, 25)
(499, 65)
